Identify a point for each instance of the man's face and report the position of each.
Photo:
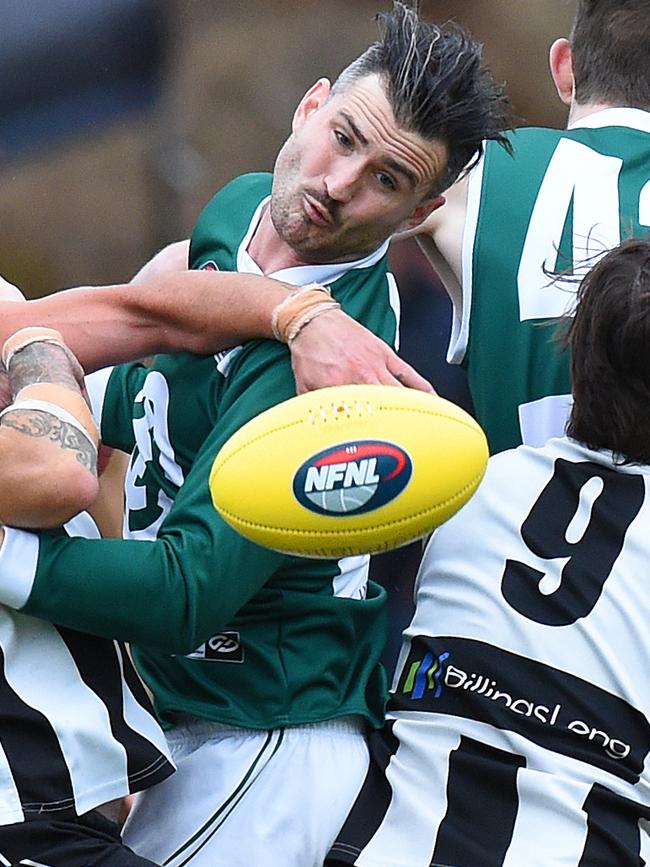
(349, 177)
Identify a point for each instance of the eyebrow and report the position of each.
(391, 163)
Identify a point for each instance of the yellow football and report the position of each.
(348, 470)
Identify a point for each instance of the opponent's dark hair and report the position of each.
(610, 45)
(610, 344)
(436, 85)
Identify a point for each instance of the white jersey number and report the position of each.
(147, 505)
(570, 178)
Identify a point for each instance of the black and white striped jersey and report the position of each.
(518, 728)
(76, 727)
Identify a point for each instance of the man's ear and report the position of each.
(421, 212)
(315, 97)
(560, 61)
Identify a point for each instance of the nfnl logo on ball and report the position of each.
(353, 477)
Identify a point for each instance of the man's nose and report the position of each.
(343, 179)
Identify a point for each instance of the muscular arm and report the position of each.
(440, 238)
(203, 312)
(193, 578)
(446, 225)
(48, 467)
(196, 311)
(180, 587)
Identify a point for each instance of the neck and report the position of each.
(268, 250)
(578, 112)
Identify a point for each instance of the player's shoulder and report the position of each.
(537, 462)
(252, 186)
(526, 140)
(255, 182)
(225, 220)
(529, 463)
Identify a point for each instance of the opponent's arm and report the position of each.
(182, 586)
(169, 309)
(171, 593)
(444, 229)
(107, 509)
(48, 440)
(197, 311)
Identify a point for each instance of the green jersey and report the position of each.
(534, 225)
(223, 629)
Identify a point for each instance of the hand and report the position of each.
(173, 257)
(333, 349)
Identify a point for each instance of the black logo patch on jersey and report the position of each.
(223, 647)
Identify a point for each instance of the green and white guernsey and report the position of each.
(223, 629)
(564, 199)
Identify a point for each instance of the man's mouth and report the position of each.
(316, 212)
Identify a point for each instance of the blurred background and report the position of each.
(119, 119)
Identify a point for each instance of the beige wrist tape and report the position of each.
(69, 401)
(52, 409)
(299, 308)
(32, 334)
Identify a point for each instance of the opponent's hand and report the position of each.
(334, 349)
(173, 257)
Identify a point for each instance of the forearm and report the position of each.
(48, 439)
(196, 311)
(166, 594)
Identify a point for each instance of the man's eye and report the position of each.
(342, 138)
(386, 181)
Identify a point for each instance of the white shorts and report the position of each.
(245, 798)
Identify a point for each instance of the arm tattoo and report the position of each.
(36, 423)
(41, 362)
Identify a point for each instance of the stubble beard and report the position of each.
(310, 243)
(307, 241)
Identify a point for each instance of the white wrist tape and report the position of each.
(52, 409)
(298, 309)
(69, 399)
(26, 336)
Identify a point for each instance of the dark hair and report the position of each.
(610, 345)
(436, 85)
(610, 45)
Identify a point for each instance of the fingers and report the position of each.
(333, 349)
(386, 369)
(410, 378)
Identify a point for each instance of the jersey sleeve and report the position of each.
(175, 591)
(172, 593)
(112, 392)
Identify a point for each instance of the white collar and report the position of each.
(301, 275)
(633, 118)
